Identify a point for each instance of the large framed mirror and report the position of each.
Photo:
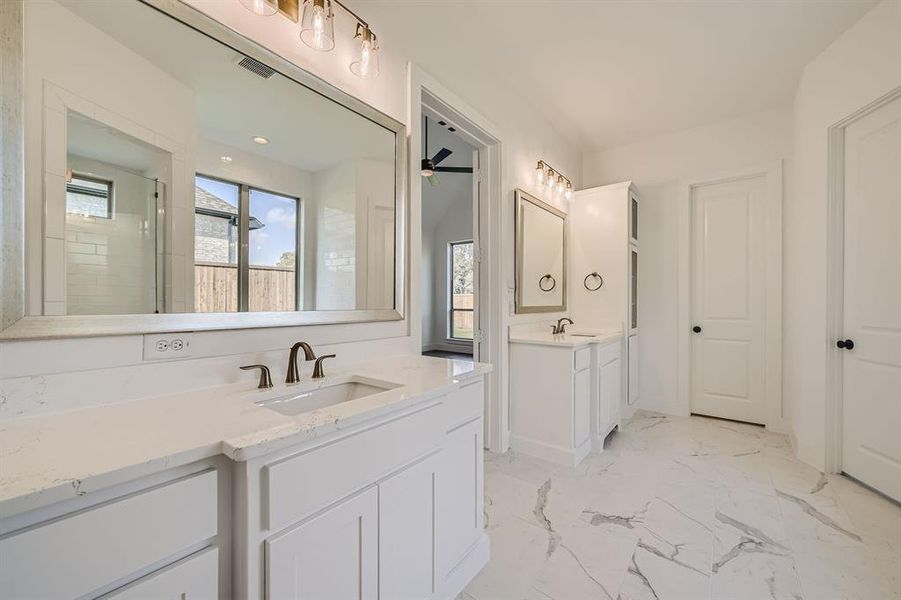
(183, 177)
(540, 255)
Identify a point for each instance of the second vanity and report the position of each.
(214, 494)
(567, 391)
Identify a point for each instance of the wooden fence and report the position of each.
(216, 288)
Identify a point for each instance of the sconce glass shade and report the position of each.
(539, 173)
(568, 194)
(265, 8)
(366, 62)
(317, 27)
(560, 184)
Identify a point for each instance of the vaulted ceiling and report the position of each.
(612, 72)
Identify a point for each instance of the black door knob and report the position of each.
(845, 344)
(696, 329)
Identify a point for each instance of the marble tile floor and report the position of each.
(685, 508)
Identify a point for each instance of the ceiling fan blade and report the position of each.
(441, 155)
(453, 169)
(433, 179)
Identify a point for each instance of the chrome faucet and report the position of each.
(318, 373)
(308, 354)
(560, 327)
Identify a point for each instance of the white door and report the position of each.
(728, 378)
(871, 370)
(334, 555)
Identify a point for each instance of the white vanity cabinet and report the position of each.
(154, 538)
(607, 391)
(550, 391)
(390, 508)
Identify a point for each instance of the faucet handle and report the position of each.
(318, 373)
(265, 377)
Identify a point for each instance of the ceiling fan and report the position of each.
(430, 165)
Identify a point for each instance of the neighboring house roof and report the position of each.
(210, 204)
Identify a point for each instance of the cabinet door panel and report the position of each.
(334, 555)
(460, 493)
(581, 407)
(407, 532)
(610, 380)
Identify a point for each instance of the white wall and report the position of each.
(661, 169)
(53, 375)
(858, 68)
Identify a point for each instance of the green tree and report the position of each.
(287, 259)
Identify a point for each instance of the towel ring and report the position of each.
(596, 276)
(547, 289)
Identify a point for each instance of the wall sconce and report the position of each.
(555, 181)
(317, 29)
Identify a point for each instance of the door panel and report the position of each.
(871, 446)
(334, 555)
(460, 494)
(728, 300)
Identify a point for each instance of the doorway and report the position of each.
(865, 287)
(449, 278)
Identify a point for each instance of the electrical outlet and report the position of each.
(168, 346)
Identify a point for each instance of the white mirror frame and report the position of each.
(523, 196)
(16, 325)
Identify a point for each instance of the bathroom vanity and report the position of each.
(567, 392)
(213, 493)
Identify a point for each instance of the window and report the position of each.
(266, 280)
(89, 197)
(460, 286)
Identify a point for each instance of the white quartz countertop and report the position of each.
(574, 339)
(50, 458)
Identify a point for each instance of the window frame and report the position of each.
(449, 277)
(243, 225)
(110, 187)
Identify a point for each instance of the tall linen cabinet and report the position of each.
(603, 243)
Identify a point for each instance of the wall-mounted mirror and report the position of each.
(540, 256)
(178, 168)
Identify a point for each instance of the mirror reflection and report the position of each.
(199, 179)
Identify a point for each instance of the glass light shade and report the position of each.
(568, 194)
(366, 62)
(550, 180)
(539, 173)
(265, 8)
(317, 28)
(560, 185)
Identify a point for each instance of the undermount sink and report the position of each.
(306, 400)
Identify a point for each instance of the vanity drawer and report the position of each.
(608, 353)
(193, 578)
(297, 486)
(582, 359)
(465, 403)
(78, 554)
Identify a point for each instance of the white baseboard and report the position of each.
(466, 570)
(550, 452)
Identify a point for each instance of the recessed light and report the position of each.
(225, 159)
(258, 139)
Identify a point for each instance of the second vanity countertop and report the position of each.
(574, 339)
(50, 458)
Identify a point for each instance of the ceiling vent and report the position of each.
(256, 67)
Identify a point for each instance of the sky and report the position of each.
(277, 213)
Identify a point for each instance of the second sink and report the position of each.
(302, 401)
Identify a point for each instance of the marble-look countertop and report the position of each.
(50, 458)
(571, 339)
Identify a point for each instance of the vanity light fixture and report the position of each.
(552, 179)
(366, 64)
(317, 30)
(317, 27)
(264, 8)
(258, 139)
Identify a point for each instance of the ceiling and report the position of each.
(452, 188)
(614, 72)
